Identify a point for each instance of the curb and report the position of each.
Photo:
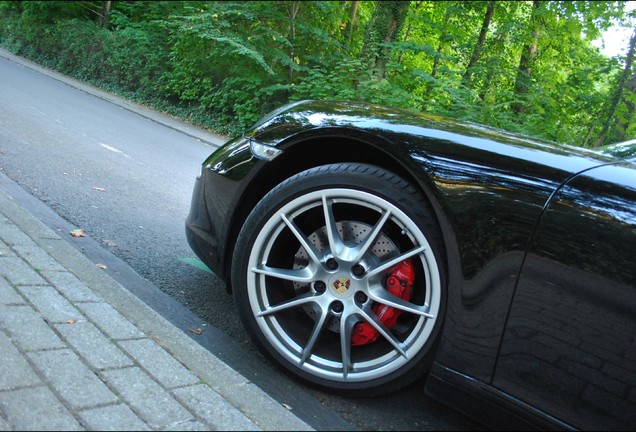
(252, 403)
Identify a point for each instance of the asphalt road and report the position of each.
(124, 175)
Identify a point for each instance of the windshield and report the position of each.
(623, 150)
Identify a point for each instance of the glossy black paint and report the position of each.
(570, 340)
(497, 197)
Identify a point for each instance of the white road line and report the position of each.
(113, 149)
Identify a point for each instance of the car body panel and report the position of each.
(488, 188)
(494, 408)
(580, 279)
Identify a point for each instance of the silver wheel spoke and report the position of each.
(312, 252)
(390, 263)
(386, 298)
(300, 275)
(370, 239)
(315, 333)
(373, 320)
(346, 331)
(336, 244)
(290, 304)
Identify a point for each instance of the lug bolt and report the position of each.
(337, 306)
(332, 264)
(357, 270)
(361, 297)
(320, 287)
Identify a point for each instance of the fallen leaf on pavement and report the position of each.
(196, 331)
(78, 233)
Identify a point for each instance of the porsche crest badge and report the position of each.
(342, 285)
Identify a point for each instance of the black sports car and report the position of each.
(367, 246)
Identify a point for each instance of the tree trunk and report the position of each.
(588, 136)
(525, 64)
(104, 18)
(620, 88)
(468, 75)
(347, 33)
(292, 12)
(384, 27)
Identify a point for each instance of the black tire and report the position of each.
(300, 290)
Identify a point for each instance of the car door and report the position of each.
(569, 347)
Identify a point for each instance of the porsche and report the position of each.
(368, 247)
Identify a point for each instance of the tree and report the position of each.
(104, 17)
(480, 42)
(351, 24)
(618, 93)
(292, 11)
(229, 62)
(409, 28)
(623, 123)
(526, 61)
(384, 28)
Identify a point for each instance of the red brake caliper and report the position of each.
(399, 283)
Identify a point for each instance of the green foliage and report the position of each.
(223, 64)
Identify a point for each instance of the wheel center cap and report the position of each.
(342, 285)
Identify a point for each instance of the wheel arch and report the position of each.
(304, 152)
